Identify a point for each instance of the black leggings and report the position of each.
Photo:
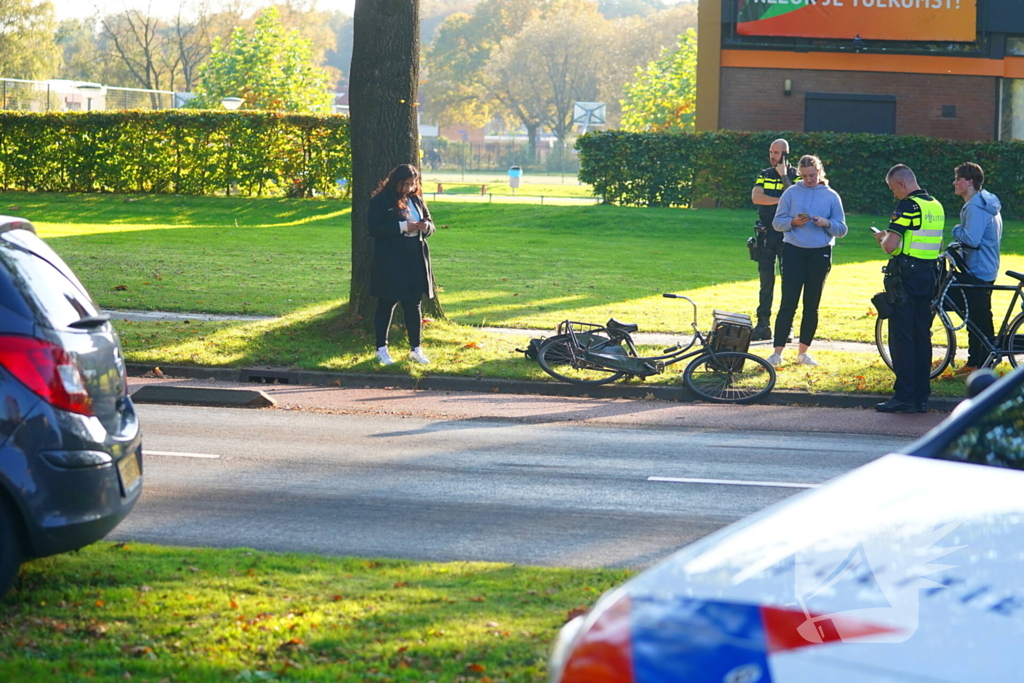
(802, 270)
(413, 319)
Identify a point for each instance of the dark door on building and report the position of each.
(838, 113)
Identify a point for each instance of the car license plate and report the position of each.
(130, 473)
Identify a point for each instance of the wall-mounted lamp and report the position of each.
(787, 87)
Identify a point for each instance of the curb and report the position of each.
(203, 396)
(675, 393)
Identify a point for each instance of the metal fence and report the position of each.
(439, 154)
(59, 95)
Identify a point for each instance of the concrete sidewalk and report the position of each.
(264, 376)
(647, 338)
(460, 405)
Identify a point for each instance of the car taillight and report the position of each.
(47, 370)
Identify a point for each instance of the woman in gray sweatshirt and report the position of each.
(810, 216)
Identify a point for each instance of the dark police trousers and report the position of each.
(910, 341)
(766, 269)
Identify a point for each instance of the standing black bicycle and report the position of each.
(589, 354)
(1009, 340)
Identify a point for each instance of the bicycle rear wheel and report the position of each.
(563, 360)
(730, 377)
(1015, 341)
(943, 345)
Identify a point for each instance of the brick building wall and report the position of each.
(753, 100)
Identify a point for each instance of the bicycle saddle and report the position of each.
(628, 328)
(1013, 273)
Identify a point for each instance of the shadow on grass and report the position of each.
(168, 210)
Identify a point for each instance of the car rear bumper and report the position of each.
(98, 506)
(65, 502)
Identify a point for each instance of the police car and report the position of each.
(910, 568)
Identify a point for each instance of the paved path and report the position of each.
(654, 339)
(532, 408)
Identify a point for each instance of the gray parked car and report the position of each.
(70, 443)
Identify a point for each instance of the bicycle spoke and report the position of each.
(561, 360)
(943, 345)
(730, 377)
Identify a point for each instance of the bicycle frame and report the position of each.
(616, 336)
(943, 301)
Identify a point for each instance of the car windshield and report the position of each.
(996, 437)
(43, 279)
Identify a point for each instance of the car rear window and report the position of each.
(994, 438)
(47, 284)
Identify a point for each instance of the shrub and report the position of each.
(174, 151)
(672, 169)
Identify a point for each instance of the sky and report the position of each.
(79, 9)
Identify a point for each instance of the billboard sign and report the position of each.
(926, 20)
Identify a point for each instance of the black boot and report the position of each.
(762, 332)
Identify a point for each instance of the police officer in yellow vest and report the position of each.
(914, 239)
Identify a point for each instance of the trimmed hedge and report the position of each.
(666, 169)
(174, 151)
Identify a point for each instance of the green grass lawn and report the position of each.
(518, 265)
(116, 612)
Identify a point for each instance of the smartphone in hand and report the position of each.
(875, 230)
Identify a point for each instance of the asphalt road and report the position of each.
(456, 488)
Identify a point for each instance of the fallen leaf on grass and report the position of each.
(292, 645)
(478, 668)
(121, 288)
(576, 612)
(478, 598)
(473, 345)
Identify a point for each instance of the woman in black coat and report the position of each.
(400, 224)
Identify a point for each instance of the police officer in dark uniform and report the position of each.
(914, 239)
(769, 186)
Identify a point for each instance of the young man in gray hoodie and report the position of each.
(979, 232)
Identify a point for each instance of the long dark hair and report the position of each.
(389, 186)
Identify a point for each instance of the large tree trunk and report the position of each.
(382, 99)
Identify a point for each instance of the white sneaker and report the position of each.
(775, 360)
(384, 357)
(418, 356)
(805, 359)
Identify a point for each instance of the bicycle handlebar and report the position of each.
(692, 303)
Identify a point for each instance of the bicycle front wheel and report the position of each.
(563, 360)
(943, 345)
(730, 377)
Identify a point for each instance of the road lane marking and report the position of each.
(735, 482)
(181, 455)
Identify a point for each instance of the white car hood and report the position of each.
(906, 569)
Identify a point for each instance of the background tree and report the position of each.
(636, 41)
(552, 63)
(315, 26)
(454, 89)
(27, 47)
(338, 60)
(383, 126)
(664, 95)
(139, 41)
(271, 68)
